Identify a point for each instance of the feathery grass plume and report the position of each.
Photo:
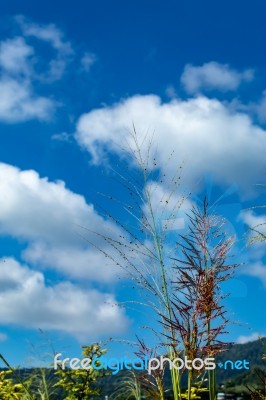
(153, 382)
(198, 315)
(43, 383)
(43, 380)
(145, 242)
(128, 388)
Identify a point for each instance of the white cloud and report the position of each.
(47, 217)
(205, 132)
(258, 270)
(213, 75)
(48, 33)
(257, 222)
(26, 300)
(169, 204)
(251, 338)
(24, 66)
(254, 266)
(18, 102)
(15, 56)
(55, 38)
(21, 66)
(256, 234)
(76, 261)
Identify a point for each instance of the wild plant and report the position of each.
(128, 388)
(186, 301)
(203, 264)
(153, 382)
(144, 244)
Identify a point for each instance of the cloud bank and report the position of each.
(204, 132)
(48, 217)
(27, 300)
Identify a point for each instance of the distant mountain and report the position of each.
(252, 352)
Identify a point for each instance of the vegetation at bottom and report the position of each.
(47, 384)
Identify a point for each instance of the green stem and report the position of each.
(189, 384)
(175, 375)
(211, 374)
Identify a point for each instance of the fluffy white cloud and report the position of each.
(47, 217)
(18, 102)
(204, 132)
(26, 300)
(257, 270)
(213, 75)
(76, 261)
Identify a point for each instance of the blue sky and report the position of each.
(73, 78)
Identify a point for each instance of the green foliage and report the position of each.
(195, 393)
(10, 390)
(43, 384)
(13, 390)
(81, 384)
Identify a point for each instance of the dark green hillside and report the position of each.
(251, 352)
